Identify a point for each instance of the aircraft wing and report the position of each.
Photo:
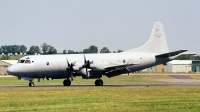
(120, 66)
(171, 53)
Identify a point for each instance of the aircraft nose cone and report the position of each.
(12, 70)
(9, 70)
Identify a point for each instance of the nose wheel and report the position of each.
(31, 84)
(98, 82)
(66, 82)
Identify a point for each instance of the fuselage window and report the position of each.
(47, 63)
(21, 61)
(28, 61)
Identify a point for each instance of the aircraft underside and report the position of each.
(67, 82)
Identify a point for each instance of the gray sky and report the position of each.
(116, 24)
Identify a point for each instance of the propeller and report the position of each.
(70, 69)
(86, 65)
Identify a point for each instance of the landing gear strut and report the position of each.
(99, 82)
(66, 82)
(31, 84)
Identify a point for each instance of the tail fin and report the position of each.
(157, 42)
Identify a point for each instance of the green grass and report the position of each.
(101, 99)
(13, 57)
(122, 79)
(91, 99)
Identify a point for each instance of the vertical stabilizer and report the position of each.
(157, 42)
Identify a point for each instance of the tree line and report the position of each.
(48, 49)
(188, 57)
(91, 49)
(13, 49)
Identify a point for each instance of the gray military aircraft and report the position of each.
(153, 52)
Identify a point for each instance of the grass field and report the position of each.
(14, 57)
(122, 79)
(90, 99)
(101, 99)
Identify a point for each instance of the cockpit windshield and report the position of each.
(24, 61)
(21, 61)
(28, 61)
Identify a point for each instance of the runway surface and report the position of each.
(106, 85)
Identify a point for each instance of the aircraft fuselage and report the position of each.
(54, 66)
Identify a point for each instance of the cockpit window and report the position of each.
(28, 61)
(21, 61)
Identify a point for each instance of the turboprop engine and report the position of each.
(89, 74)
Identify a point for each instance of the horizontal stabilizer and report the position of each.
(171, 53)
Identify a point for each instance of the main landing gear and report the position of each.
(66, 82)
(31, 84)
(98, 82)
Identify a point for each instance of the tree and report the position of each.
(9, 49)
(23, 49)
(119, 51)
(37, 49)
(91, 49)
(4, 49)
(45, 48)
(105, 50)
(48, 49)
(64, 52)
(15, 49)
(52, 50)
(70, 52)
(188, 57)
(74, 52)
(1, 49)
(33, 50)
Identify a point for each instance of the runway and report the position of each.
(107, 85)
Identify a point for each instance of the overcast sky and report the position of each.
(116, 24)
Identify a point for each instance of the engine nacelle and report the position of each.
(25, 78)
(91, 74)
(98, 66)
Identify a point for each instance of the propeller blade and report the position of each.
(70, 69)
(84, 58)
(72, 77)
(86, 73)
(67, 62)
